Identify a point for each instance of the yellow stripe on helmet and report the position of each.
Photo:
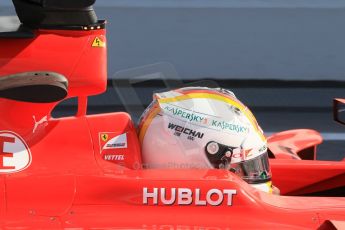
(145, 123)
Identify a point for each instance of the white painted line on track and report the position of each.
(7, 22)
(223, 3)
(336, 4)
(327, 136)
(333, 136)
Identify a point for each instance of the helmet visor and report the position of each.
(253, 171)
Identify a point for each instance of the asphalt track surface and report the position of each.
(294, 39)
(271, 118)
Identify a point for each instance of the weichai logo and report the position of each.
(14, 153)
(189, 132)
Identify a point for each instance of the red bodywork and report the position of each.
(68, 182)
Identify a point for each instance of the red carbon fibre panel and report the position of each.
(125, 151)
(290, 144)
(69, 53)
(296, 177)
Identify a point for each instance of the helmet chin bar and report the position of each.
(219, 155)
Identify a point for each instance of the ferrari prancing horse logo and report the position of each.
(104, 137)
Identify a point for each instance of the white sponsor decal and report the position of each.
(14, 153)
(118, 142)
(186, 196)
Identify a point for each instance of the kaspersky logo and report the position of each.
(15, 155)
(186, 115)
(195, 117)
(187, 196)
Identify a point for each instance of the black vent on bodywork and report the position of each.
(37, 87)
(50, 13)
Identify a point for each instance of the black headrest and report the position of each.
(50, 13)
(63, 4)
(37, 87)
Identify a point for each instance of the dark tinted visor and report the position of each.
(253, 171)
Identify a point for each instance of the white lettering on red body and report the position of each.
(114, 157)
(187, 196)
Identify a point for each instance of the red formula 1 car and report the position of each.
(54, 173)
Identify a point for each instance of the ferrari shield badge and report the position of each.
(112, 141)
(15, 155)
(104, 137)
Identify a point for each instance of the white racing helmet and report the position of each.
(198, 127)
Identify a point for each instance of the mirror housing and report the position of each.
(35, 87)
(339, 110)
(55, 13)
